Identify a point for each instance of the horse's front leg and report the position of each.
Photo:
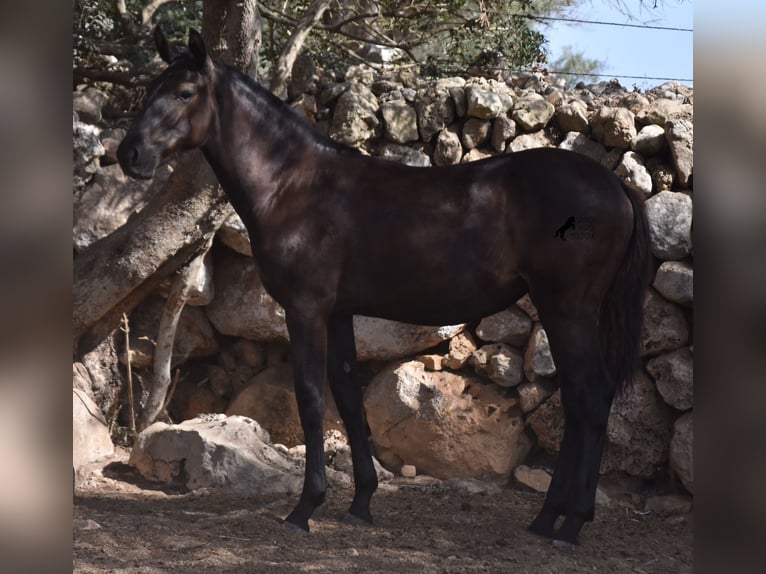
(308, 338)
(341, 363)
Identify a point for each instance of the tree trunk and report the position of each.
(116, 273)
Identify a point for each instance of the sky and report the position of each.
(630, 51)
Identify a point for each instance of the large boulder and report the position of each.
(269, 398)
(215, 451)
(533, 112)
(511, 325)
(446, 425)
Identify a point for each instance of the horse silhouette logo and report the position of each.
(561, 231)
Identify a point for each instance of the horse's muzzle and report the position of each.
(135, 162)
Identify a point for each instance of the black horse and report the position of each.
(335, 233)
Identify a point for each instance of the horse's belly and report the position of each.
(445, 305)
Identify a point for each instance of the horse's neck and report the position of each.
(252, 145)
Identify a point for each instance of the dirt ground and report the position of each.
(124, 525)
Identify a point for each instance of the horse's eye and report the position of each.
(184, 96)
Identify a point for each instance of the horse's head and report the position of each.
(177, 111)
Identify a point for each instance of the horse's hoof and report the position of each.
(541, 528)
(302, 527)
(354, 520)
(563, 544)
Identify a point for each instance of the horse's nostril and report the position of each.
(133, 156)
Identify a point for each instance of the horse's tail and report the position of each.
(621, 318)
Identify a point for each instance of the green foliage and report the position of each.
(576, 66)
(445, 36)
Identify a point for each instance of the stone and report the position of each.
(675, 282)
(530, 141)
(401, 122)
(269, 398)
(448, 150)
(354, 119)
(670, 224)
(538, 361)
(680, 137)
(485, 104)
(533, 112)
(614, 127)
(192, 398)
(634, 173)
(234, 235)
(503, 130)
(461, 347)
(476, 154)
(88, 104)
(533, 393)
(512, 326)
(547, 423)
(435, 110)
(87, 150)
(669, 504)
(383, 340)
(661, 110)
(673, 374)
(408, 471)
(499, 363)
(232, 454)
(447, 425)
(241, 306)
(431, 362)
(475, 133)
(457, 93)
(663, 174)
(649, 141)
(573, 117)
(638, 430)
(404, 154)
(581, 143)
(664, 327)
(682, 450)
(526, 305)
(90, 431)
(537, 479)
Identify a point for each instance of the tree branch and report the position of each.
(284, 67)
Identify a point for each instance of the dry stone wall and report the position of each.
(497, 375)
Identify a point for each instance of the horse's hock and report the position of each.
(498, 374)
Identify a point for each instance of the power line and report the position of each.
(620, 76)
(603, 23)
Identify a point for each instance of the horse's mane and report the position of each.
(283, 115)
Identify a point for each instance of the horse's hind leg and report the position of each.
(341, 366)
(587, 391)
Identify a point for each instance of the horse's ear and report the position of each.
(165, 50)
(197, 47)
